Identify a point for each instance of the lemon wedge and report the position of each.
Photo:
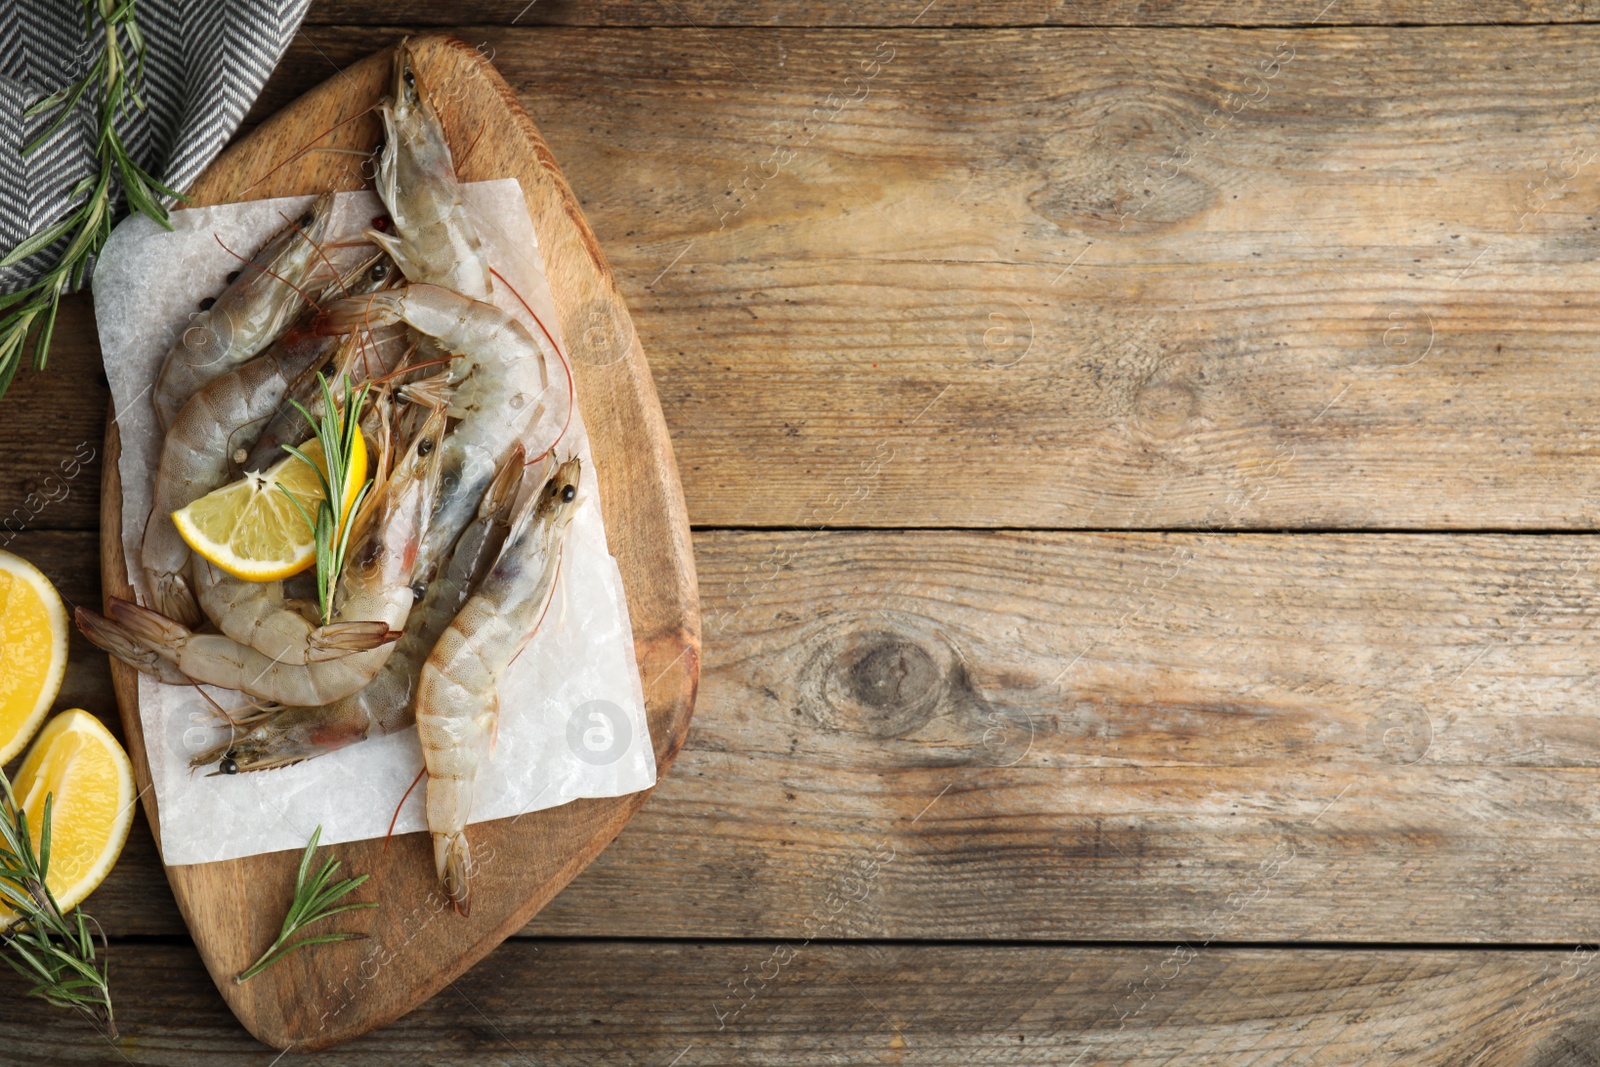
(78, 763)
(33, 651)
(250, 529)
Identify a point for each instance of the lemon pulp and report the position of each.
(84, 770)
(33, 651)
(251, 529)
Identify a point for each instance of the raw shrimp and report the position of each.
(388, 702)
(196, 453)
(435, 238)
(498, 378)
(251, 312)
(376, 578)
(457, 705)
(360, 363)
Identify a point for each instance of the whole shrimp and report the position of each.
(387, 703)
(375, 585)
(499, 376)
(251, 312)
(457, 706)
(197, 450)
(435, 238)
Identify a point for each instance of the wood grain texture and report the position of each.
(1238, 353)
(605, 1003)
(715, 14)
(1116, 737)
(232, 907)
(1366, 300)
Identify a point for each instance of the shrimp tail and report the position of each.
(432, 392)
(353, 313)
(175, 598)
(452, 857)
(394, 246)
(116, 639)
(151, 629)
(507, 479)
(338, 639)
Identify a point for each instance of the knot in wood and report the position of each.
(878, 683)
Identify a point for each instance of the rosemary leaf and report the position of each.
(111, 83)
(336, 432)
(312, 897)
(57, 954)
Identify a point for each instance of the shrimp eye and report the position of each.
(568, 493)
(306, 220)
(380, 223)
(205, 305)
(233, 276)
(228, 766)
(418, 590)
(379, 271)
(411, 80)
(425, 447)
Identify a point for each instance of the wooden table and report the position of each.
(1143, 460)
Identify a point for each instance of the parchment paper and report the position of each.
(572, 720)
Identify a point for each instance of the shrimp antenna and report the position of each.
(310, 147)
(572, 396)
(397, 807)
(268, 271)
(561, 556)
(468, 153)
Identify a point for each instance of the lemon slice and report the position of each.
(250, 529)
(33, 651)
(79, 764)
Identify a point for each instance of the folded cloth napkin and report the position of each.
(205, 63)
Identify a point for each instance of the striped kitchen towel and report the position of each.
(206, 61)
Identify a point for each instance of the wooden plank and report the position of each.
(707, 1004)
(1348, 310)
(1120, 737)
(54, 422)
(711, 14)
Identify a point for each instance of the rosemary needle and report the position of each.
(55, 952)
(336, 432)
(28, 316)
(312, 899)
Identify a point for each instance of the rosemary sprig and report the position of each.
(55, 952)
(312, 897)
(336, 432)
(28, 316)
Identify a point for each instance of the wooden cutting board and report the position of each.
(416, 944)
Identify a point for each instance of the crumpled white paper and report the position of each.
(572, 719)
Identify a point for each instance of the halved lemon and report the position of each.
(33, 651)
(250, 529)
(78, 763)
